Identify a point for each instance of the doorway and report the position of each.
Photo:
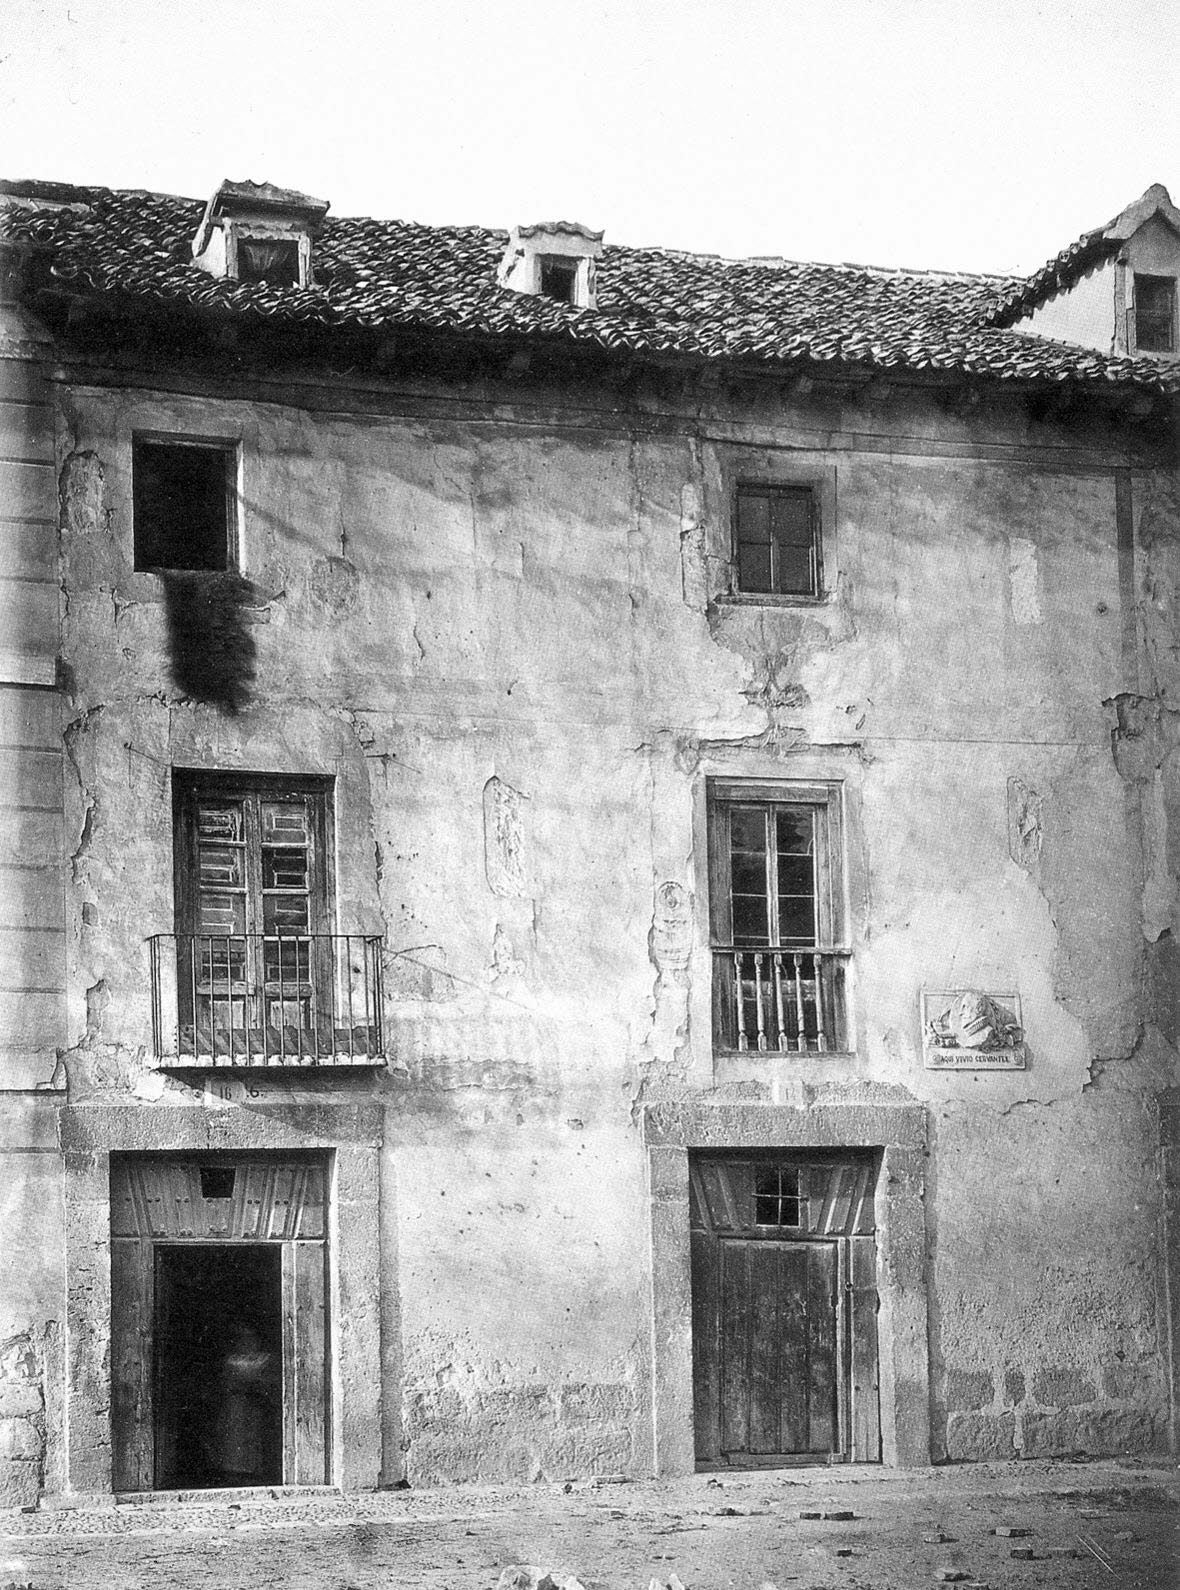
(219, 1342)
(218, 1365)
(784, 1307)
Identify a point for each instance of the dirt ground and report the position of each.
(1087, 1525)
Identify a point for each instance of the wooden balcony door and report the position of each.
(253, 906)
(784, 1306)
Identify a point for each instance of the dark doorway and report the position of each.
(218, 1365)
(784, 1307)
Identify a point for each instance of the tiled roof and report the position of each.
(395, 274)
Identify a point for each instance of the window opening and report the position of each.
(776, 1196)
(559, 279)
(182, 495)
(274, 261)
(775, 913)
(217, 1181)
(777, 541)
(1155, 314)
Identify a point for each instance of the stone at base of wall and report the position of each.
(518, 1433)
(22, 1421)
(1098, 1432)
(980, 1437)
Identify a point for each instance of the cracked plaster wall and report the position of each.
(510, 646)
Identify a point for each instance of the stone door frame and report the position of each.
(899, 1131)
(352, 1135)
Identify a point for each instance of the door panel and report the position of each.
(821, 1348)
(793, 1394)
(304, 1363)
(778, 1348)
(863, 1301)
(131, 1400)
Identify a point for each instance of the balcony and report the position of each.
(266, 1000)
(769, 1001)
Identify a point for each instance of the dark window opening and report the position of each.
(182, 505)
(1155, 314)
(218, 1365)
(776, 1196)
(559, 279)
(217, 1181)
(777, 541)
(274, 261)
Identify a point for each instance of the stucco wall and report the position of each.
(504, 639)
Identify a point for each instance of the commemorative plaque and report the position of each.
(965, 1029)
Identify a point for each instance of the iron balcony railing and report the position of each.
(262, 999)
(780, 1001)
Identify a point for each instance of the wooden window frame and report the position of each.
(1170, 282)
(262, 231)
(825, 801)
(230, 448)
(748, 487)
(190, 787)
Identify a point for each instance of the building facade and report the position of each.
(591, 859)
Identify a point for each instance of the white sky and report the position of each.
(976, 134)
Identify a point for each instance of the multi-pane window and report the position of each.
(776, 916)
(253, 903)
(772, 883)
(777, 541)
(776, 1195)
(183, 504)
(1155, 314)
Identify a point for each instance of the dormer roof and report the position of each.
(569, 229)
(1091, 249)
(247, 200)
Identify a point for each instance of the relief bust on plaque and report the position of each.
(965, 1029)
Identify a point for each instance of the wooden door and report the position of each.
(161, 1204)
(784, 1308)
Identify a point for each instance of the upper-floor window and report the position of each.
(776, 916)
(255, 973)
(1155, 314)
(777, 548)
(183, 501)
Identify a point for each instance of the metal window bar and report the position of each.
(221, 1000)
(780, 1001)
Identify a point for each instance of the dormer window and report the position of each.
(553, 259)
(255, 232)
(559, 279)
(1155, 314)
(274, 260)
